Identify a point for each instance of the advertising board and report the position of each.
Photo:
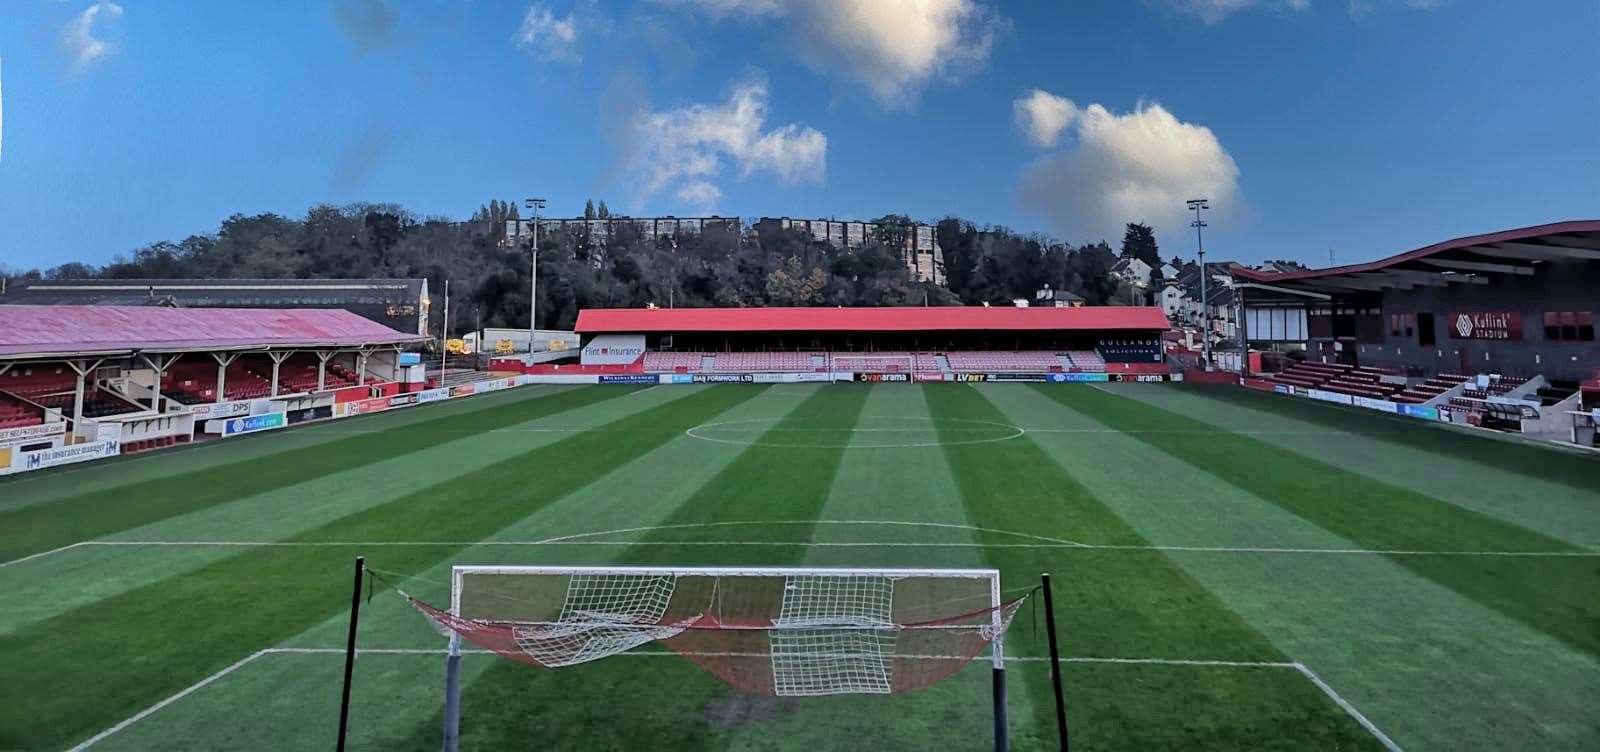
(613, 350)
(25, 434)
(930, 377)
(463, 390)
(631, 378)
(969, 378)
(432, 395)
(310, 413)
(1023, 377)
(1374, 404)
(1282, 389)
(884, 378)
(247, 424)
(723, 378)
(42, 458)
(1326, 396)
(677, 378)
(220, 410)
(1418, 411)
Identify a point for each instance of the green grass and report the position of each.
(74, 671)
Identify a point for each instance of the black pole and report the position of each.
(1000, 742)
(1055, 660)
(350, 650)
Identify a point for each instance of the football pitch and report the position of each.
(1232, 570)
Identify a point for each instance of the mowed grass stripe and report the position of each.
(1126, 604)
(45, 486)
(668, 703)
(1557, 595)
(79, 672)
(42, 527)
(1577, 471)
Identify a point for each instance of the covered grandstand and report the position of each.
(145, 376)
(1494, 329)
(930, 344)
(400, 304)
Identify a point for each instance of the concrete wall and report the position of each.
(1556, 286)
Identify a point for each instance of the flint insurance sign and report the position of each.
(613, 349)
(1494, 325)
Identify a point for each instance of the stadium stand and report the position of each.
(976, 361)
(1005, 362)
(672, 362)
(762, 362)
(1130, 350)
(15, 413)
(1429, 389)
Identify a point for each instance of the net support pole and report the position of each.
(1055, 660)
(452, 673)
(350, 651)
(998, 656)
(452, 696)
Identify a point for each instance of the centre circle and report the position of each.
(870, 432)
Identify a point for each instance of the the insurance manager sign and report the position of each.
(1493, 325)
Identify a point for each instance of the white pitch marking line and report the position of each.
(828, 544)
(147, 712)
(43, 554)
(1371, 727)
(1299, 667)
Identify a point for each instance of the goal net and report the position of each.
(774, 631)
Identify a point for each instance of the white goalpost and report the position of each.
(784, 631)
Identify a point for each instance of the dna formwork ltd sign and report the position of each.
(1490, 325)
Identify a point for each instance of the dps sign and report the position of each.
(613, 350)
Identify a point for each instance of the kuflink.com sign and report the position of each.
(254, 423)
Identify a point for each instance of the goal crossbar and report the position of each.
(787, 631)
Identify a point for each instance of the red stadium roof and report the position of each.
(906, 319)
(1509, 252)
(40, 330)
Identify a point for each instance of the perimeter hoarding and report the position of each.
(631, 378)
(248, 424)
(21, 462)
(29, 434)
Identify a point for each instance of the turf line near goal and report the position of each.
(1064, 546)
(1300, 668)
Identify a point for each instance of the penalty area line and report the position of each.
(1300, 668)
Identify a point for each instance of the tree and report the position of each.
(588, 209)
(1140, 242)
(604, 212)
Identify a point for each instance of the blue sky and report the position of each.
(1366, 126)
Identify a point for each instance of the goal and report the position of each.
(781, 631)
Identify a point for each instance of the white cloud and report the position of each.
(1135, 167)
(549, 37)
(78, 38)
(1042, 116)
(892, 47)
(684, 150)
(1212, 11)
